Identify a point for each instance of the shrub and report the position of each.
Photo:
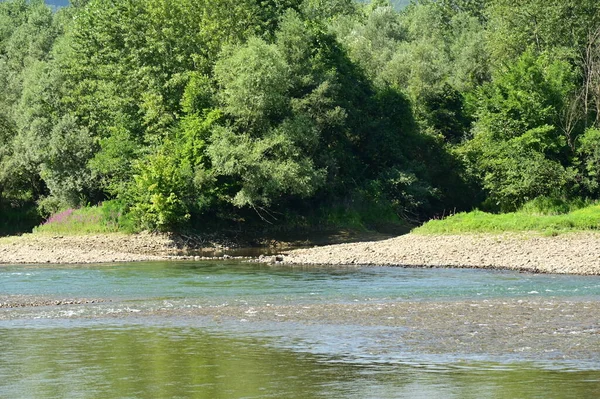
(159, 192)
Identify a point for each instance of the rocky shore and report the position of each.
(104, 248)
(34, 248)
(574, 253)
(29, 301)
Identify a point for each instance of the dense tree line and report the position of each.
(183, 112)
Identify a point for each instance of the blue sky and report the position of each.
(57, 2)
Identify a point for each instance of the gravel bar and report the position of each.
(572, 253)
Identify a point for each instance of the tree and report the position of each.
(544, 25)
(590, 95)
(28, 95)
(263, 147)
(128, 63)
(518, 150)
(588, 148)
(254, 84)
(64, 167)
(427, 65)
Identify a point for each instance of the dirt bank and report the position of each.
(574, 253)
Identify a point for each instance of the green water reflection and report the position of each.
(184, 362)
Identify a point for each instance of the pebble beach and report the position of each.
(573, 253)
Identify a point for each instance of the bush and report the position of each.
(159, 192)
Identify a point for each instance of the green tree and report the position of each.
(129, 63)
(263, 148)
(518, 149)
(28, 95)
(254, 84)
(437, 67)
(64, 167)
(588, 149)
(561, 26)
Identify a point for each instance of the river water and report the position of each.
(238, 330)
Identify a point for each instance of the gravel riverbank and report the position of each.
(41, 248)
(101, 248)
(573, 253)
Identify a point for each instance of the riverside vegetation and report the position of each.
(168, 115)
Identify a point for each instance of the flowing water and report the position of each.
(239, 330)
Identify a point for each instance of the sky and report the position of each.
(57, 2)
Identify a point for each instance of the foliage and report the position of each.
(63, 170)
(558, 25)
(254, 80)
(518, 150)
(179, 114)
(159, 192)
(589, 152)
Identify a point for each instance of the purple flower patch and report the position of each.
(60, 217)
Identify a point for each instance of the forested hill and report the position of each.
(179, 113)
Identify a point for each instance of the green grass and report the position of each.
(530, 218)
(105, 218)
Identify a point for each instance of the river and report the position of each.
(239, 330)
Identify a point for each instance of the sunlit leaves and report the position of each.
(254, 82)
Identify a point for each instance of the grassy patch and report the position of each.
(529, 218)
(105, 218)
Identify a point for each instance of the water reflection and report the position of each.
(158, 362)
(234, 330)
(148, 363)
